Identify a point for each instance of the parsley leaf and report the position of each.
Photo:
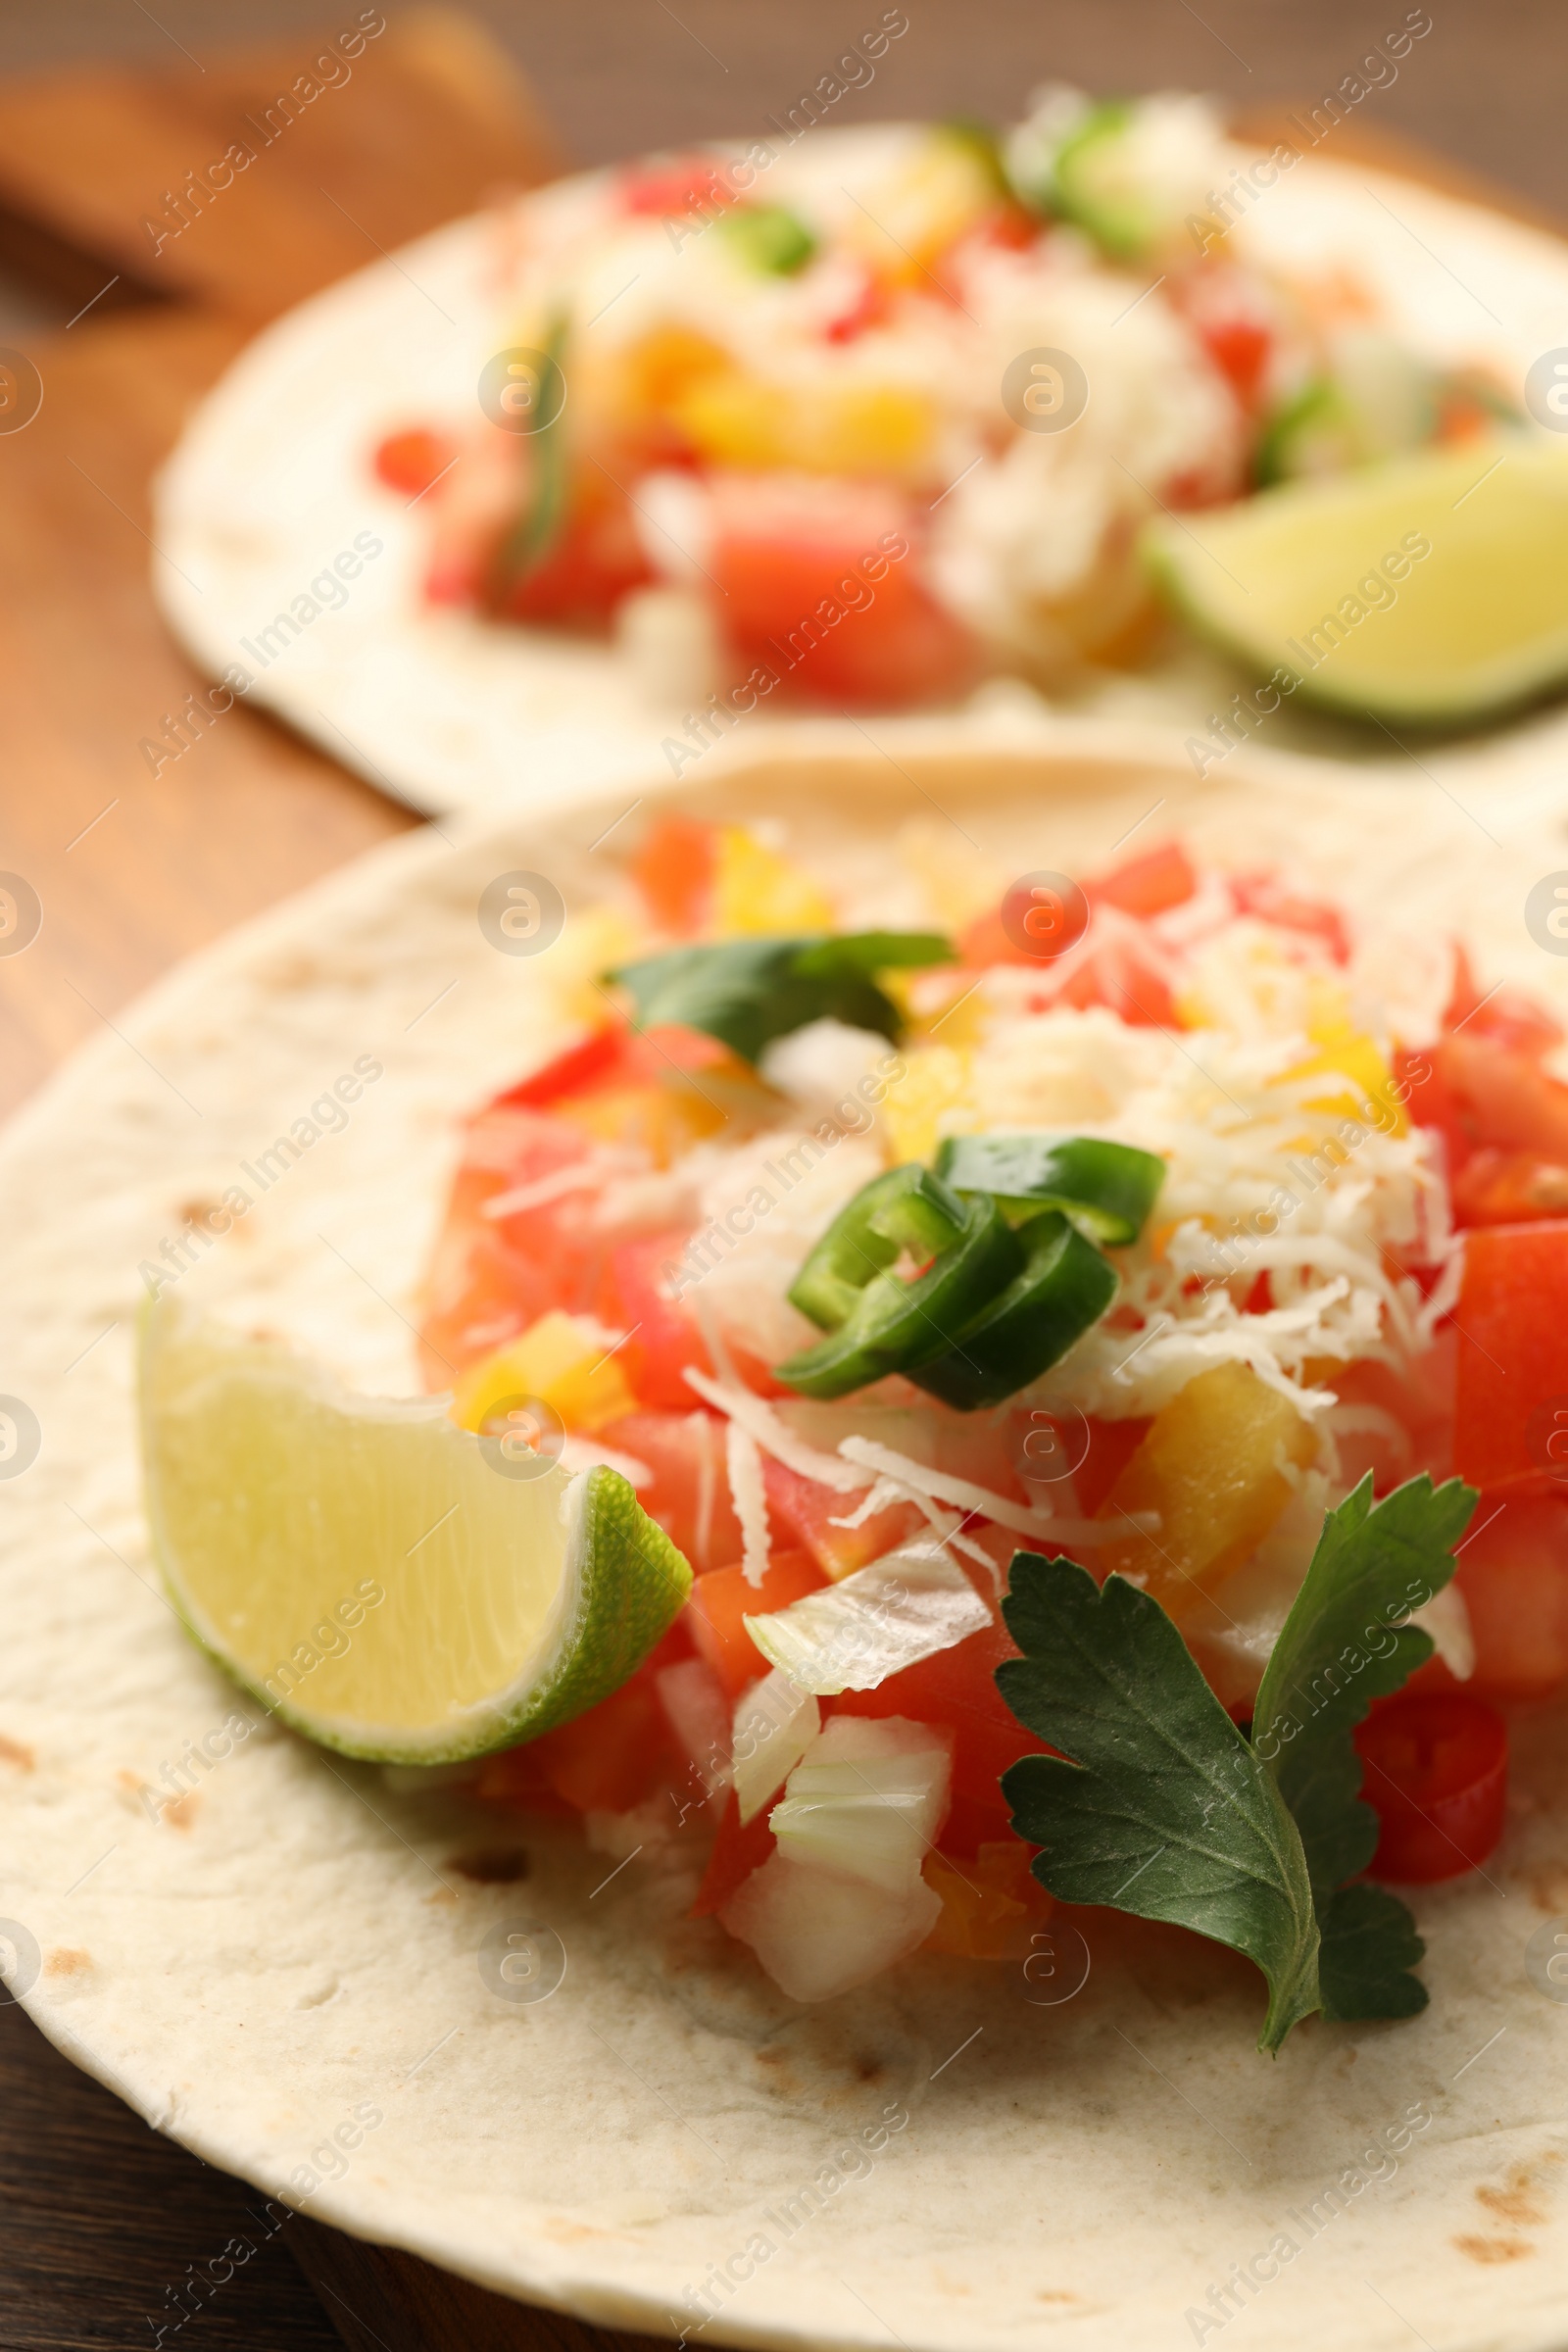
(1157, 1804)
(1369, 1946)
(746, 991)
(1346, 1642)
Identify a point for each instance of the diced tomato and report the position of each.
(870, 307)
(1232, 317)
(412, 461)
(614, 1756)
(957, 1689)
(595, 1059)
(491, 1277)
(686, 184)
(1241, 349)
(1505, 1015)
(1418, 1398)
(1259, 1300)
(1512, 1575)
(1111, 1446)
(519, 1777)
(1265, 896)
(1507, 1188)
(1483, 1092)
(718, 1602)
(1511, 1318)
(1148, 884)
(674, 871)
(1113, 973)
(820, 585)
(737, 1851)
(690, 1495)
(637, 1298)
(596, 560)
(1437, 1774)
(806, 1510)
(1116, 976)
(1033, 925)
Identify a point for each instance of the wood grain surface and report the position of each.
(108, 2233)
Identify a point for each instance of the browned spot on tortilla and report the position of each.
(1546, 1883)
(784, 2078)
(12, 1751)
(577, 2234)
(869, 2069)
(68, 1962)
(197, 1212)
(1494, 2249)
(1054, 2294)
(1516, 2201)
(443, 1894)
(181, 1812)
(490, 1866)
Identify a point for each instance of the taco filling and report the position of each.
(869, 415)
(1160, 1225)
(1059, 1408)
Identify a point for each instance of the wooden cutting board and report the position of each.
(97, 2219)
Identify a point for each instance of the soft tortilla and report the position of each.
(273, 481)
(301, 1944)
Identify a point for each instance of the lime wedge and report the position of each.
(1432, 589)
(388, 1584)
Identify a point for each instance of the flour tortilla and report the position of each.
(301, 1948)
(273, 481)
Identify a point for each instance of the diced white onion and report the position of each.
(867, 1800)
(818, 1933)
(693, 1699)
(775, 1723)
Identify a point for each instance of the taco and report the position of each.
(959, 1604)
(853, 419)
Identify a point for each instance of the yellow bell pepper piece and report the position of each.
(665, 1119)
(756, 891)
(824, 427)
(557, 1360)
(935, 1082)
(1210, 1464)
(921, 210)
(654, 376)
(1345, 1048)
(989, 1905)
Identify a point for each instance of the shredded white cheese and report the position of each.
(744, 1462)
(755, 1415)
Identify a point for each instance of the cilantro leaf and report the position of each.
(746, 991)
(1369, 1946)
(1157, 1804)
(1346, 1642)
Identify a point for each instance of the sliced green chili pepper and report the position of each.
(1106, 1189)
(908, 1208)
(1065, 1288)
(771, 238)
(534, 535)
(895, 1325)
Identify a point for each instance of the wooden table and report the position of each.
(99, 2218)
